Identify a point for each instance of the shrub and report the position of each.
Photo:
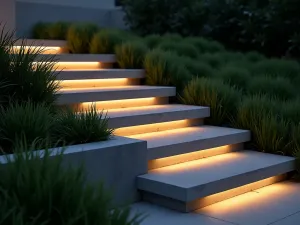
(274, 87)
(164, 68)
(234, 76)
(254, 56)
(40, 188)
(277, 67)
(213, 60)
(41, 31)
(105, 41)
(153, 40)
(131, 54)
(182, 49)
(221, 98)
(197, 68)
(26, 121)
(79, 37)
(269, 132)
(172, 37)
(204, 45)
(58, 30)
(81, 127)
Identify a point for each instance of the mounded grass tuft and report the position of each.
(172, 37)
(166, 69)
(79, 37)
(221, 98)
(278, 87)
(181, 48)
(105, 41)
(25, 121)
(41, 31)
(153, 40)
(290, 110)
(213, 60)
(204, 45)
(269, 132)
(234, 76)
(58, 30)
(197, 68)
(81, 127)
(131, 54)
(254, 57)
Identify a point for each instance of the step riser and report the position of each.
(118, 104)
(217, 186)
(196, 145)
(81, 66)
(157, 118)
(173, 160)
(94, 95)
(148, 128)
(45, 50)
(212, 199)
(98, 83)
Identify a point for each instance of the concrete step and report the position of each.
(99, 78)
(80, 95)
(190, 139)
(186, 186)
(154, 114)
(48, 46)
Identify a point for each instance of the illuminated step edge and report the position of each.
(150, 115)
(41, 42)
(104, 58)
(71, 96)
(186, 186)
(189, 139)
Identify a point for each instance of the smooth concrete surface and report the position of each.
(30, 13)
(39, 42)
(116, 162)
(277, 204)
(154, 114)
(8, 15)
(105, 58)
(190, 139)
(101, 74)
(200, 178)
(71, 96)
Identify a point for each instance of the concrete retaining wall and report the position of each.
(116, 162)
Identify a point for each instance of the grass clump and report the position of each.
(254, 56)
(278, 87)
(79, 37)
(41, 31)
(290, 110)
(277, 68)
(58, 30)
(204, 45)
(269, 132)
(234, 76)
(131, 54)
(165, 69)
(152, 40)
(81, 127)
(221, 98)
(41, 188)
(25, 121)
(213, 60)
(182, 49)
(197, 68)
(105, 41)
(172, 37)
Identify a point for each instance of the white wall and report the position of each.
(7, 15)
(103, 4)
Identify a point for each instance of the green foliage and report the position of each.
(269, 132)
(234, 76)
(213, 60)
(26, 121)
(25, 80)
(81, 127)
(58, 30)
(131, 54)
(181, 48)
(205, 46)
(79, 37)
(254, 56)
(41, 31)
(221, 98)
(277, 67)
(197, 68)
(165, 68)
(291, 111)
(153, 40)
(39, 188)
(274, 87)
(105, 41)
(172, 37)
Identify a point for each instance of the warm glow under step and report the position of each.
(71, 96)
(189, 139)
(104, 58)
(154, 114)
(187, 182)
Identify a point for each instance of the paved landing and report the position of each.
(278, 204)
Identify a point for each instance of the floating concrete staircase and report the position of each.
(191, 165)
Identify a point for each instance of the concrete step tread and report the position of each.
(191, 180)
(70, 74)
(200, 137)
